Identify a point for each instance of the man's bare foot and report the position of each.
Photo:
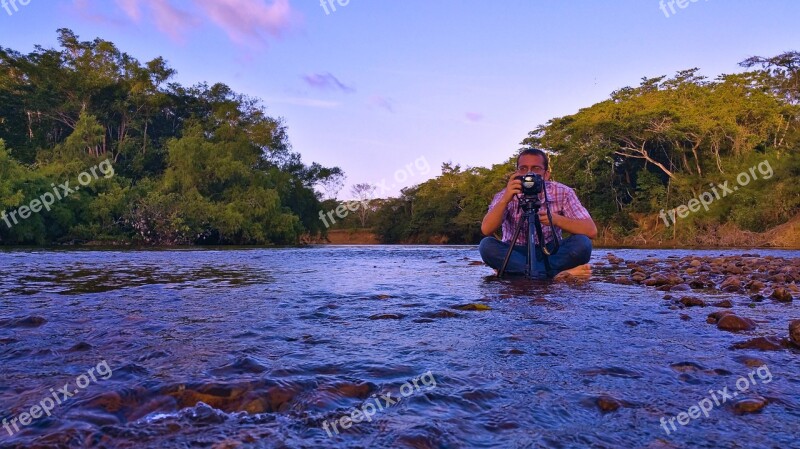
(582, 271)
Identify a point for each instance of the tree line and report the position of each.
(643, 150)
(206, 165)
(192, 165)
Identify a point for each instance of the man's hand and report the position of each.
(546, 221)
(513, 188)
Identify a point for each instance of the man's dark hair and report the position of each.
(535, 152)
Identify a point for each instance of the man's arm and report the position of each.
(583, 226)
(494, 218)
(576, 219)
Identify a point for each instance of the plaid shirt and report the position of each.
(563, 201)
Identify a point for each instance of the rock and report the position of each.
(622, 280)
(734, 323)
(387, 316)
(473, 306)
(781, 295)
(755, 286)
(751, 362)
(733, 269)
(692, 301)
(749, 405)
(779, 278)
(725, 303)
(695, 263)
(701, 282)
(731, 284)
(761, 344)
(714, 317)
(794, 332)
(680, 288)
(608, 404)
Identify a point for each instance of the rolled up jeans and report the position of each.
(574, 251)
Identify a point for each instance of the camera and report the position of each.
(532, 184)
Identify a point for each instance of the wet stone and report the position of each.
(734, 323)
(608, 404)
(794, 332)
(781, 295)
(749, 405)
(761, 344)
(692, 301)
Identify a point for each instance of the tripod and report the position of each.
(531, 204)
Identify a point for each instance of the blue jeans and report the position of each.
(574, 251)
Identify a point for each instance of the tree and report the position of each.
(364, 193)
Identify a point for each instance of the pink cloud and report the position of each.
(130, 8)
(474, 116)
(246, 22)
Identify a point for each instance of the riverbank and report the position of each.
(784, 236)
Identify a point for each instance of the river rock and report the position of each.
(781, 295)
(731, 284)
(755, 286)
(749, 405)
(761, 344)
(735, 323)
(608, 403)
(725, 303)
(692, 301)
(714, 317)
(794, 332)
(680, 288)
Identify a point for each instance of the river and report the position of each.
(272, 348)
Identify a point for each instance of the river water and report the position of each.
(271, 347)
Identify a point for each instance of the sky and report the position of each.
(388, 90)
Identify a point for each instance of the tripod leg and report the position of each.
(537, 228)
(510, 250)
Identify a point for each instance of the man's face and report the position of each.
(532, 163)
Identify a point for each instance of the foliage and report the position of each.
(193, 165)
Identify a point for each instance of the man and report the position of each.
(568, 214)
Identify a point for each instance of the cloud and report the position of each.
(326, 81)
(246, 22)
(381, 102)
(474, 117)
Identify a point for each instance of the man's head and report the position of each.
(533, 160)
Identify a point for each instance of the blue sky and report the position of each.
(379, 84)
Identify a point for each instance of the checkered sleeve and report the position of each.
(496, 200)
(571, 206)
